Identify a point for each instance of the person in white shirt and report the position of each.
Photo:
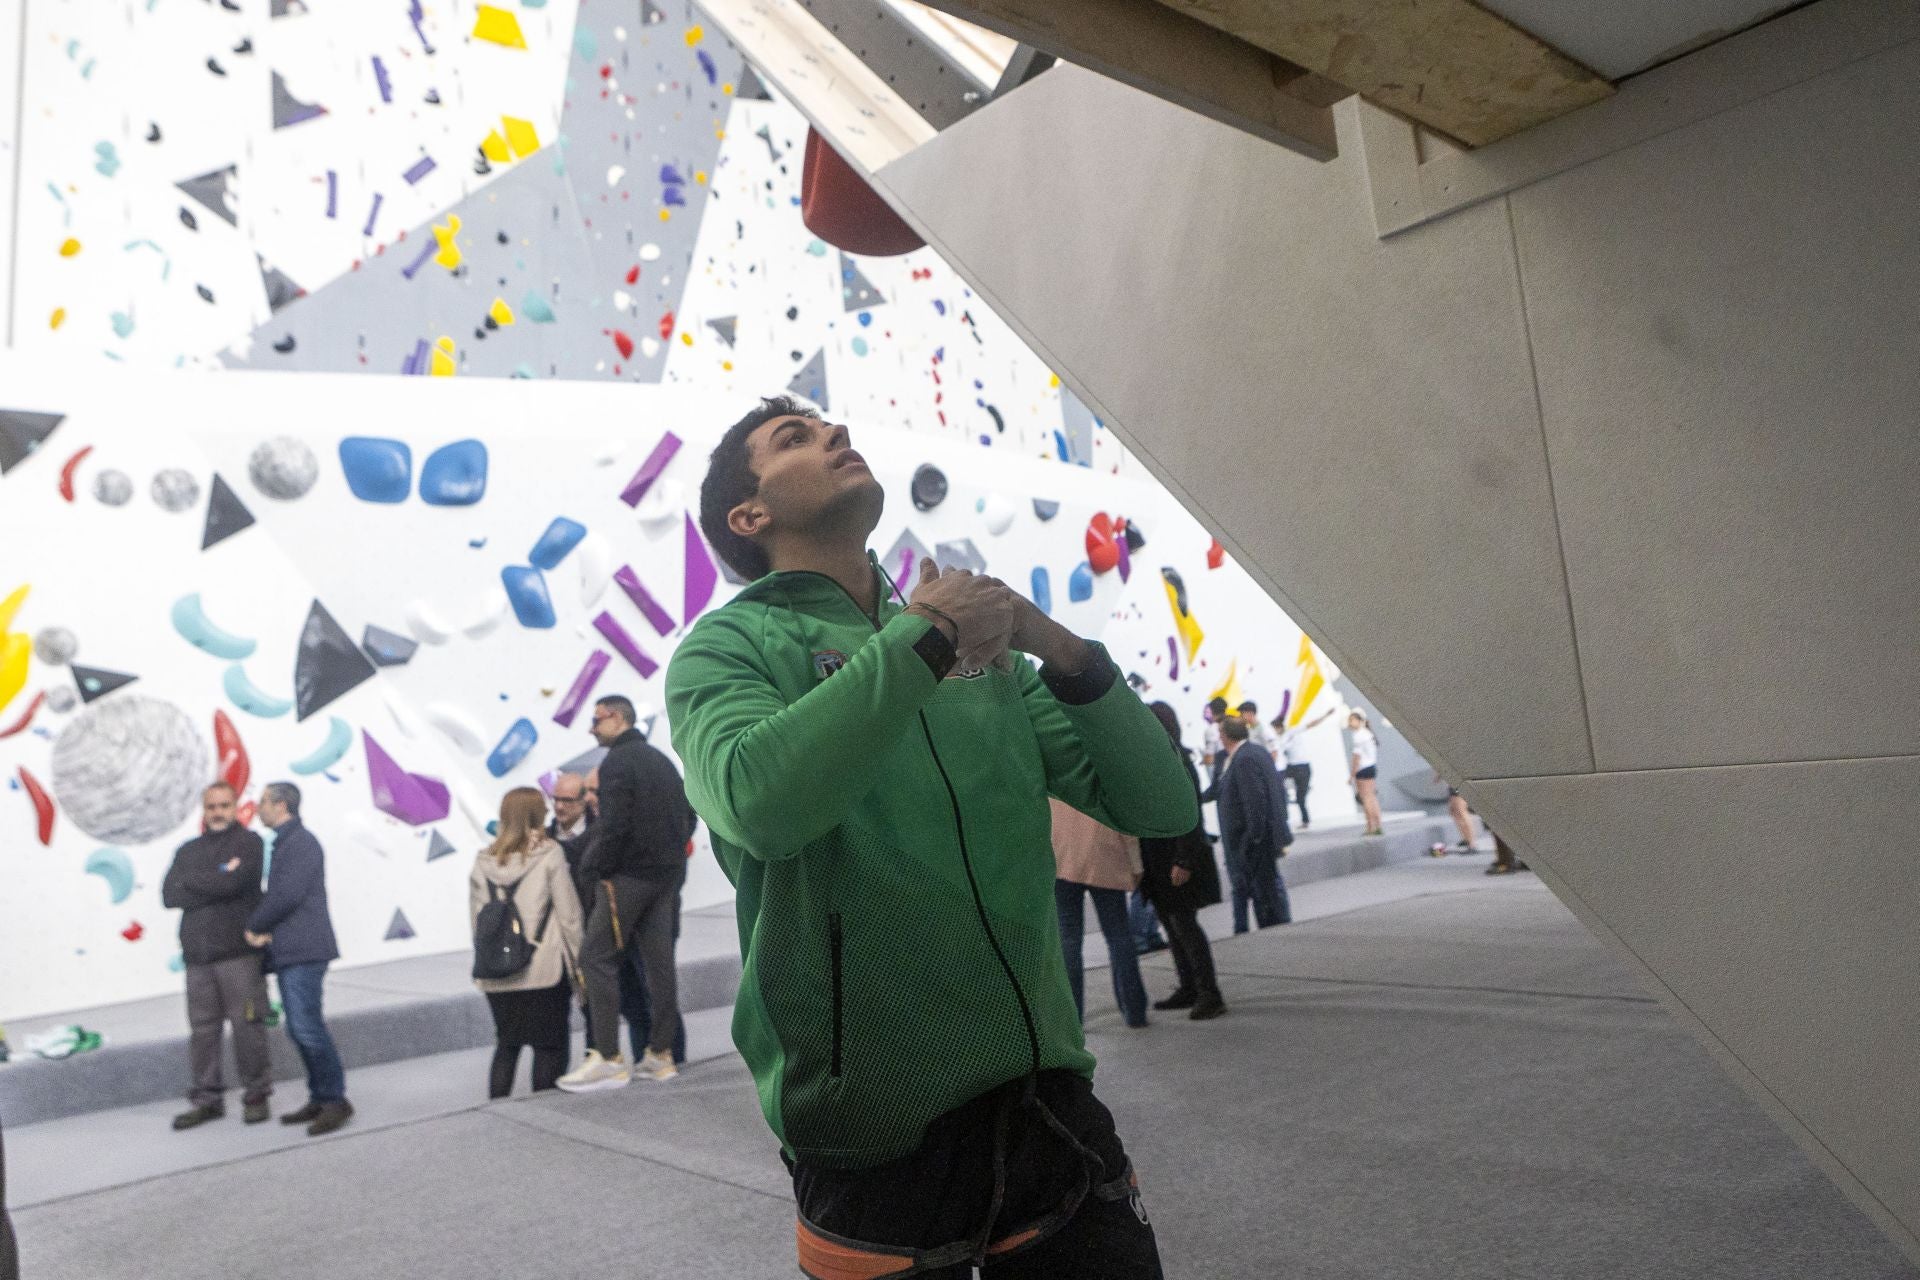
(1293, 752)
(1363, 768)
(1259, 733)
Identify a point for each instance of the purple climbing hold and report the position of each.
(650, 469)
(561, 537)
(702, 577)
(527, 591)
(513, 748)
(378, 469)
(643, 599)
(410, 797)
(582, 688)
(454, 475)
(624, 645)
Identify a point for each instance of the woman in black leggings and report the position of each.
(1180, 878)
(531, 1007)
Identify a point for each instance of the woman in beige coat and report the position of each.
(533, 1006)
(1090, 858)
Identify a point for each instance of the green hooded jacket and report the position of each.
(885, 826)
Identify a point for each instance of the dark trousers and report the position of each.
(300, 988)
(1301, 776)
(1256, 879)
(944, 1192)
(1192, 953)
(9, 1250)
(231, 991)
(637, 1009)
(548, 1066)
(627, 907)
(1110, 906)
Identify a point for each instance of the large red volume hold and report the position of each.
(235, 769)
(1102, 553)
(840, 207)
(42, 804)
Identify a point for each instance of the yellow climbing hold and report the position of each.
(726, 90)
(1230, 690)
(494, 147)
(694, 35)
(501, 312)
(11, 605)
(58, 318)
(727, 365)
(69, 247)
(443, 358)
(498, 26)
(13, 665)
(521, 135)
(666, 215)
(1053, 380)
(687, 338)
(449, 255)
(700, 177)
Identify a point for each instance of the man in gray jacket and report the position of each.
(214, 883)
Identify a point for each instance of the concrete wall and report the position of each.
(1602, 489)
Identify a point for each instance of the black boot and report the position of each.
(199, 1115)
(1208, 1006)
(1182, 999)
(332, 1116)
(256, 1110)
(305, 1115)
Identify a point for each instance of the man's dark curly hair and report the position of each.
(730, 481)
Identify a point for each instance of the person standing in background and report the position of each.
(1258, 733)
(293, 924)
(1179, 875)
(1091, 858)
(1293, 752)
(1363, 770)
(531, 1008)
(214, 883)
(1253, 826)
(571, 821)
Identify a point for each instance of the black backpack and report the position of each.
(501, 947)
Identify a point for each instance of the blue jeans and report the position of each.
(1110, 908)
(1260, 885)
(300, 986)
(1145, 922)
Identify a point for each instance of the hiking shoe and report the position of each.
(198, 1116)
(256, 1111)
(1208, 1006)
(332, 1116)
(597, 1073)
(305, 1115)
(656, 1066)
(1181, 999)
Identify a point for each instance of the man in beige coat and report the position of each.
(1093, 859)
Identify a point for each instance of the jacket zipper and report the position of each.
(834, 943)
(960, 833)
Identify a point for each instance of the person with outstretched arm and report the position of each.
(876, 772)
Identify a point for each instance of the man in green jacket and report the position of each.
(875, 775)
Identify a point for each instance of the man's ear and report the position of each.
(749, 518)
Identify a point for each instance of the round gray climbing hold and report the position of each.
(929, 487)
(175, 490)
(55, 646)
(283, 468)
(129, 769)
(115, 488)
(61, 699)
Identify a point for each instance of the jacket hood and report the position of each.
(505, 873)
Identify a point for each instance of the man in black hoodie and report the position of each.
(636, 862)
(215, 883)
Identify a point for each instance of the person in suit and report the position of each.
(1253, 826)
(293, 924)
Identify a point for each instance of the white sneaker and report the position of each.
(655, 1066)
(596, 1073)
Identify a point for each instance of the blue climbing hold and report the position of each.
(1042, 589)
(513, 748)
(562, 536)
(527, 590)
(1080, 586)
(1044, 509)
(378, 470)
(454, 475)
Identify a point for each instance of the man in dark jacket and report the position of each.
(215, 883)
(292, 922)
(571, 825)
(1253, 826)
(637, 862)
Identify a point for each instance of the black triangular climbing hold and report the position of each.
(385, 648)
(329, 663)
(750, 87)
(211, 190)
(723, 328)
(226, 514)
(97, 682)
(21, 433)
(398, 929)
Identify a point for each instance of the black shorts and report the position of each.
(1369, 773)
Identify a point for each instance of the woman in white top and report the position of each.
(1363, 768)
(533, 1006)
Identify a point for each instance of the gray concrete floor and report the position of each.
(1435, 1075)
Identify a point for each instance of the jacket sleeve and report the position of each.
(1184, 854)
(296, 870)
(476, 895)
(177, 891)
(1252, 801)
(770, 776)
(1105, 753)
(204, 884)
(613, 829)
(566, 909)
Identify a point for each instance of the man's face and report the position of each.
(608, 724)
(809, 474)
(569, 800)
(216, 808)
(593, 793)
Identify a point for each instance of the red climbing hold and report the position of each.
(66, 472)
(1216, 555)
(26, 717)
(624, 343)
(666, 326)
(1102, 553)
(244, 814)
(133, 931)
(234, 766)
(42, 804)
(633, 274)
